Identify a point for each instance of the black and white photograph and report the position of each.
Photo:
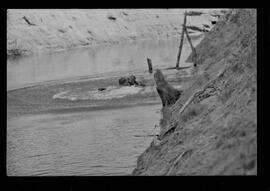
(131, 92)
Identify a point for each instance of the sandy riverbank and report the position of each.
(31, 31)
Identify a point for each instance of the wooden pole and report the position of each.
(181, 42)
(194, 54)
(150, 68)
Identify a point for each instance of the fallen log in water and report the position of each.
(168, 94)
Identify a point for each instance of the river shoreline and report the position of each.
(144, 48)
(34, 31)
(40, 98)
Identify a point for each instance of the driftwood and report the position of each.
(130, 81)
(28, 22)
(194, 13)
(150, 68)
(166, 92)
(180, 68)
(187, 103)
(195, 28)
(101, 89)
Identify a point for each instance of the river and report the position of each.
(58, 124)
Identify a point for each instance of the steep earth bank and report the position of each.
(216, 134)
(30, 31)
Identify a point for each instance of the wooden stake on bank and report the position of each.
(150, 68)
(181, 42)
(194, 54)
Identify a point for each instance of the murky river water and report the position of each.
(85, 142)
(105, 142)
(93, 62)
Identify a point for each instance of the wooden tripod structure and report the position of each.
(194, 54)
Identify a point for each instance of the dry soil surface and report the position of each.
(38, 30)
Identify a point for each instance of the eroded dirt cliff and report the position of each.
(216, 134)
